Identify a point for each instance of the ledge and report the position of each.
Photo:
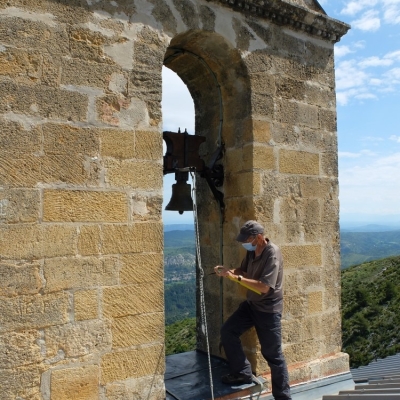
(293, 16)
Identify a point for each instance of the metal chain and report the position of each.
(201, 283)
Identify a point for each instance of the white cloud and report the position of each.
(353, 7)
(395, 138)
(370, 187)
(341, 51)
(394, 55)
(376, 82)
(393, 75)
(391, 11)
(177, 103)
(369, 21)
(366, 96)
(348, 154)
(349, 75)
(375, 62)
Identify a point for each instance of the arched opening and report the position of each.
(179, 241)
(217, 80)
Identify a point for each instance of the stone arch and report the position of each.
(218, 81)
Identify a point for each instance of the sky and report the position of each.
(367, 69)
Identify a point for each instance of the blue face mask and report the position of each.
(249, 246)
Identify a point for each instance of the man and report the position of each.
(262, 272)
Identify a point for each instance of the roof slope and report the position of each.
(376, 381)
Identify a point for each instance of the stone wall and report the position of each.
(81, 240)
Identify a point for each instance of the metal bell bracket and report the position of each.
(183, 154)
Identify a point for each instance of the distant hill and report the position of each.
(371, 310)
(178, 227)
(359, 247)
(371, 228)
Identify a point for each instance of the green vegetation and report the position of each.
(361, 247)
(179, 256)
(180, 301)
(180, 336)
(371, 310)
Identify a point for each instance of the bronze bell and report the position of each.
(181, 199)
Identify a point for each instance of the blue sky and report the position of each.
(367, 68)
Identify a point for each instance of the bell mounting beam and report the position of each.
(182, 154)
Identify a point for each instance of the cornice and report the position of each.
(293, 16)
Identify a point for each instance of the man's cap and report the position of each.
(250, 228)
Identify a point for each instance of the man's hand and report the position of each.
(222, 271)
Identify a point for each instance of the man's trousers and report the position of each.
(268, 328)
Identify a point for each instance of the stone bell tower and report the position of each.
(81, 238)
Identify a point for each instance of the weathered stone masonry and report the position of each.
(81, 240)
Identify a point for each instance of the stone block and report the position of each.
(333, 365)
(19, 205)
(47, 169)
(43, 101)
(78, 339)
(148, 145)
(81, 72)
(263, 105)
(133, 299)
(89, 240)
(303, 351)
(22, 382)
(302, 256)
(145, 206)
(124, 112)
(263, 83)
(311, 277)
(298, 162)
(135, 363)
(37, 241)
(80, 383)
(315, 302)
(136, 238)
(291, 331)
(234, 160)
(37, 311)
(85, 44)
(327, 120)
(320, 95)
(308, 115)
(295, 306)
(86, 305)
(243, 184)
(261, 131)
(144, 388)
(329, 164)
(81, 272)
(68, 140)
(312, 328)
(324, 188)
(84, 206)
(19, 348)
(134, 330)
(19, 279)
(22, 66)
(15, 139)
(291, 89)
(141, 268)
(133, 174)
(259, 157)
(117, 143)
(25, 33)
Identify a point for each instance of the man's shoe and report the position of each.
(236, 379)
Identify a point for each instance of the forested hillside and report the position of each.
(360, 247)
(371, 310)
